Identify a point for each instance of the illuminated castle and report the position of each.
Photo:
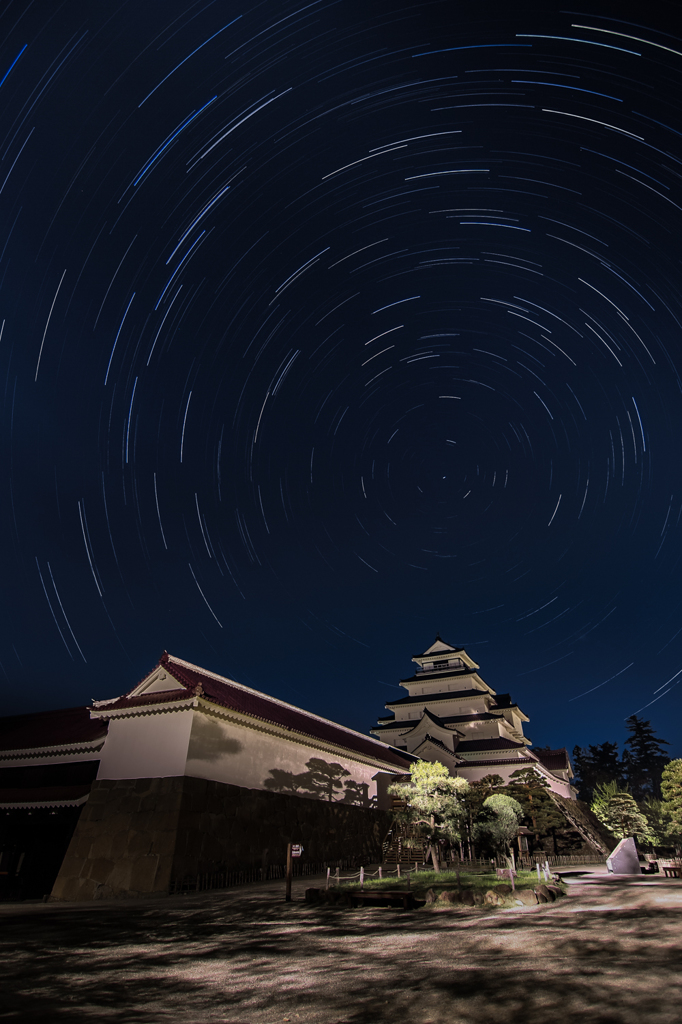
(451, 715)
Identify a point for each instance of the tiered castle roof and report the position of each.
(450, 714)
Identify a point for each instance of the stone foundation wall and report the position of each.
(225, 827)
(136, 836)
(124, 842)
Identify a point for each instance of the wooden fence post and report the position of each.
(287, 897)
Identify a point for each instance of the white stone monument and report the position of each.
(624, 859)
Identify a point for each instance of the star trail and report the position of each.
(327, 327)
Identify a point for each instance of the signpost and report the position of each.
(293, 850)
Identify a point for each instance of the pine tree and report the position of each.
(671, 787)
(644, 760)
(433, 804)
(473, 800)
(596, 765)
(498, 821)
(529, 787)
(618, 811)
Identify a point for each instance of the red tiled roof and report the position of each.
(553, 760)
(501, 760)
(495, 744)
(257, 705)
(50, 729)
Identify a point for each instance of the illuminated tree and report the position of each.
(529, 787)
(499, 820)
(671, 788)
(433, 804)
(618, 811)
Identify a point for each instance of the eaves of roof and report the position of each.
(498, 743)
(443, 673)
(46, 796)
(48, 730)
(426, 698)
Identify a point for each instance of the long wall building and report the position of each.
(190, 773)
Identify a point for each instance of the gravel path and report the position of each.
(608, 953)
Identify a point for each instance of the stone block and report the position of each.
(139, 844)
(142, 876)
(101, 847)
(526, 897)
(80, 846)
(98, 794)
(99, 870)
(163, 843)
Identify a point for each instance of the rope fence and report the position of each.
(225, 879)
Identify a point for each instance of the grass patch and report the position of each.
(420, 881)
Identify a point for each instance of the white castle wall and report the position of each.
(190, 742)
(241, 756)
(150, 746)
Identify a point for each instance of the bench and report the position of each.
(672, 870)
(391, 898)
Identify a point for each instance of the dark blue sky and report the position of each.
(329, 326)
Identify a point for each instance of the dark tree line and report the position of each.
(638, 768)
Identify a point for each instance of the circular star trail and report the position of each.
(326, 327)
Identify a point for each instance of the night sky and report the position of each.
(329, 327)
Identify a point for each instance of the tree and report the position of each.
(595, 765)
(499, 820)
(671, 788)
(644, 760)
(473, 800)
(660, 824)
(531, 789)
(433, 804)
(618, 811)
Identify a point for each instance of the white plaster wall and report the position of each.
(234, 754)
(469, 706)
(146, 746)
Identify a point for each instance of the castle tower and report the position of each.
(451, 715)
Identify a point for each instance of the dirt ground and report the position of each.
(610, 952)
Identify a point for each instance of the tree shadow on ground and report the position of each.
(249, 957)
